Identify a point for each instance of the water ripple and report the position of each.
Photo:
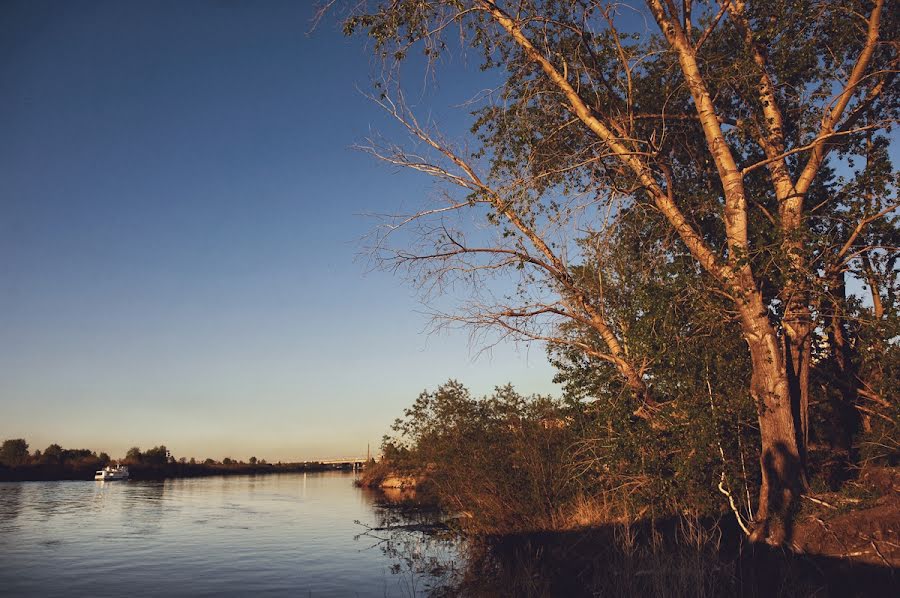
(267, 535)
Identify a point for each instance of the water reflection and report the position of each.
(318, 535)
(423, 551)
(288, 534)
(143, 508)
(49, 499)
(10, 503)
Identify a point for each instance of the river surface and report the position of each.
(280, 534)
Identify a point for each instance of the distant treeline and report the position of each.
(57, 463)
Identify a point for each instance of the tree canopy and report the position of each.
(683, 207)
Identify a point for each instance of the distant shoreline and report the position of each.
(54, 473)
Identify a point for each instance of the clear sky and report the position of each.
(180, 215)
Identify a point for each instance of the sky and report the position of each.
(181, 215)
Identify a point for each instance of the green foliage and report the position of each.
(513, 463)
(502, 458)
(680, 327)
(664, 312)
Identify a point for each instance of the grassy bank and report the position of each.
(665, 557)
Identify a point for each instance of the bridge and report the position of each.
(345, 463)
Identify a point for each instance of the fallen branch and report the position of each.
(818, 502)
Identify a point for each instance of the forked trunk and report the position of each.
(780, 462)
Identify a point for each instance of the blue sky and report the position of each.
(180, 215)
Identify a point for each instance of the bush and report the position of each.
(502, 460)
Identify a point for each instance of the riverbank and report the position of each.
(842, 544)
(46, 472)
(675, 557)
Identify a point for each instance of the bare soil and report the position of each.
(864, 529)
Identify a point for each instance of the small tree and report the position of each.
(252, 460)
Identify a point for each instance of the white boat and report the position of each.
(108, 474)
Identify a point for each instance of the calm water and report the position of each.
(288, 534)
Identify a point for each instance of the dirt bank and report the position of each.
(863, 528)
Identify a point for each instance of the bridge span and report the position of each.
(345, 463)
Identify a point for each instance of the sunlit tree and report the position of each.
(733, 125)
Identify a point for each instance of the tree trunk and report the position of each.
(845, 413)
(797, 339)
(780, 463)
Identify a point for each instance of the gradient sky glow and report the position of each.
(179, 222)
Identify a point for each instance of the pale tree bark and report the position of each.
(795, 296)
(797, 320)
(780, 376)
(780, 461)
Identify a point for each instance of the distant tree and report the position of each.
(192, 461)
(262, 462)
(227, 461)
(53, 454)
(14, 451)
(158, 455)
(134, 455)
(36, 457)
(69, 455)
(209, 461)
(104, 458)
(252, 460)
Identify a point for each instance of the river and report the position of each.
(281, 534)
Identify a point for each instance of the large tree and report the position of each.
(730, 123)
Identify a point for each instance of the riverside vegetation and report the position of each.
(17, 464)
(552, 500)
